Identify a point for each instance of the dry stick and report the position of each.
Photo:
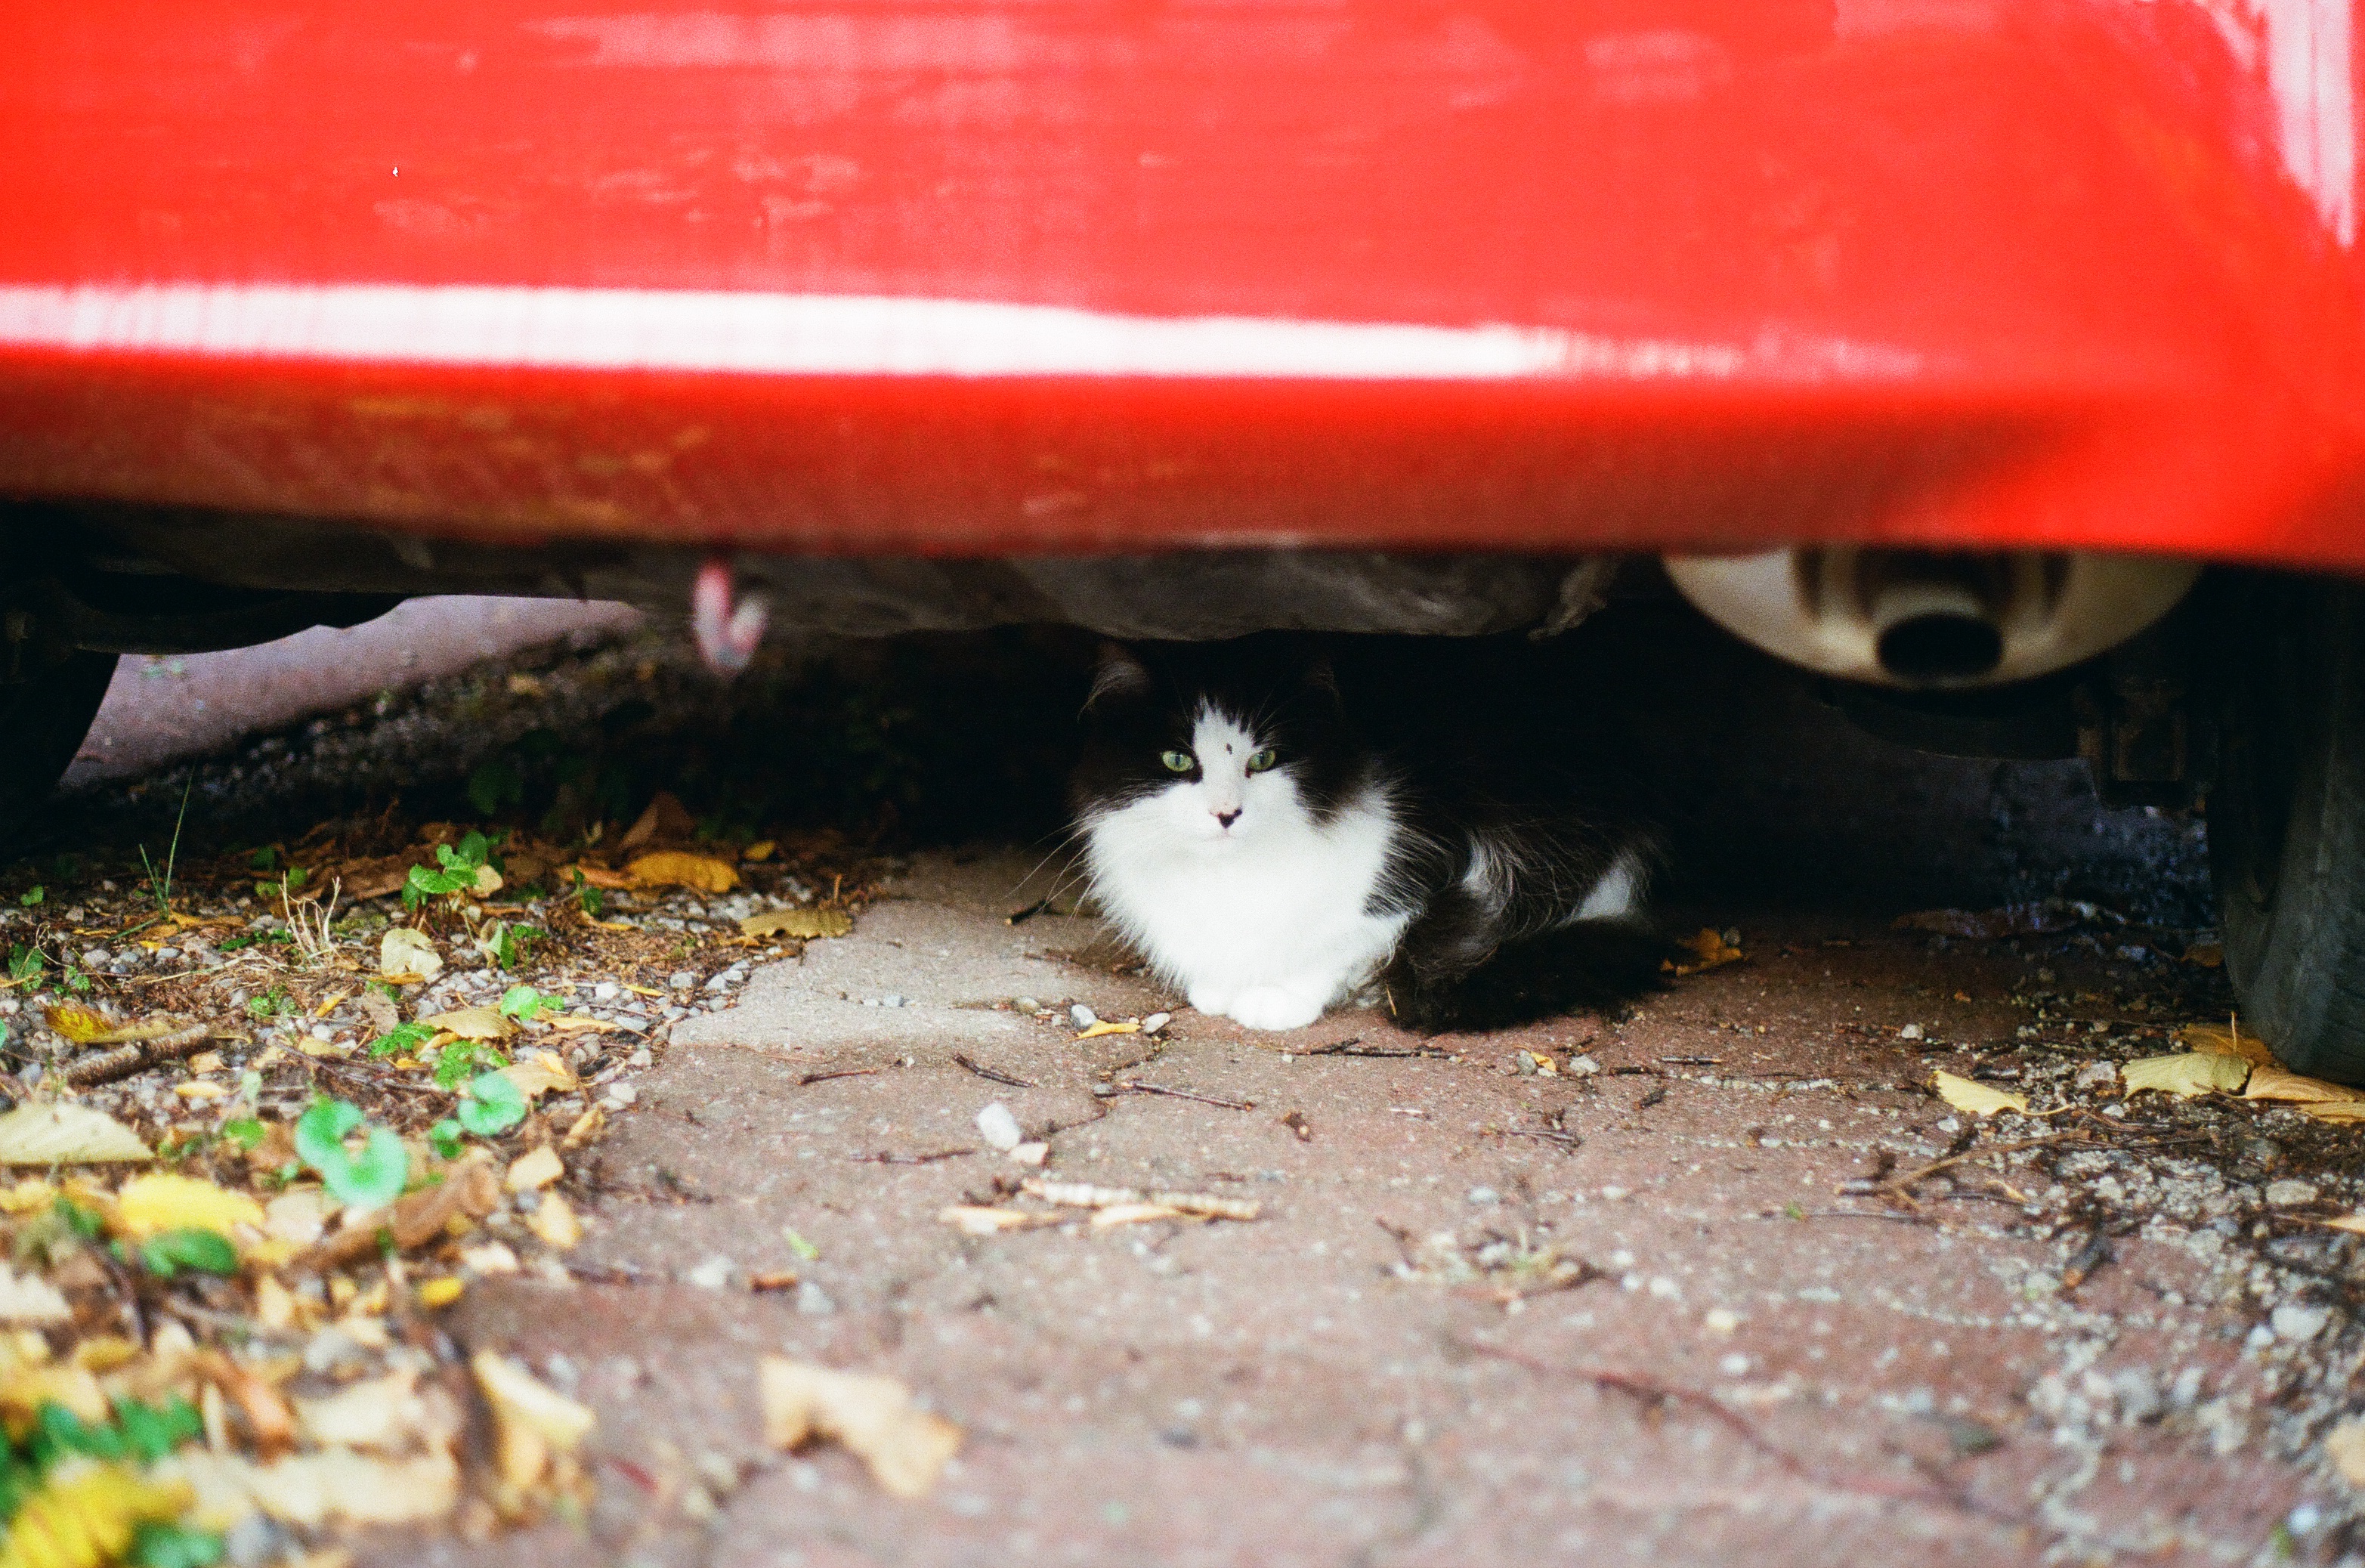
(125, 1060)
(990, 1074)
(825, 1077)
(890, 1157)
(1138, 1088)
(1898, 1184)
(1655, 1395)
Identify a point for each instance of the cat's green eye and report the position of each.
(1261, 760)
(1177, 761)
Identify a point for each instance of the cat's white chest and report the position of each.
(1269, 931)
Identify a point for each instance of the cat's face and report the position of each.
(1216, 746)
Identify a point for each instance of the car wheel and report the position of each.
(2287, 820)
(43, 721)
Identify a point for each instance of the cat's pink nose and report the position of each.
(1228, 818)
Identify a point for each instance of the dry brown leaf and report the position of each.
(2273, 1082)
(89, 1027)
(2185, 1074)
(2219, 1039)
(2340, 1113)
(534, 1427)
(679, 868)
(664, 821)
(599, 876)
(1709, 951)
(873, 1416)
(807, 923)
(382, 1414)
(554, 1220)
(575, 1024)
(66, 1134)
(1133, 1214)
(376, 877)
(2208, 955)
(405, 951)
(485, 1023)
(385, 1017)
(1976, 1098)
(542, 1073)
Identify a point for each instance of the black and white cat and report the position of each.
(1277, 825)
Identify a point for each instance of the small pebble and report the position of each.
(999, 1127)
(1155, 1022)
(2290, 1192)
(813, 1301)
(605, 991)
(1082, 1016)
(640, 1057)
(682, 980)
(1027, 1005)
(1911, 1032)
(890, 1000)
(1482, 1196)
(1721, 1320)
(714, 1274)
(1583, 1066)
(2298, 1322)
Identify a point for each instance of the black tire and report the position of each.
(2287, 820)
(43, 721)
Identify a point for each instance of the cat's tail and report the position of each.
(1590, 966)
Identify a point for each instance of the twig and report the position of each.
(1021, 916)
(1691, 1061)
(825, 1077)
(1898, 1184)
(890, 1157)
(125, 1060)
(1140, 1088)
(1354, 1046)
(1569, 1142)
(992, 1075)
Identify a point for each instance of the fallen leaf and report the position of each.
(553, 1221)
(1709, 951)
(2208, 955)
(88, 1026)
(2218, 1040)
(198, 1089)
(1104, 1026)
(1085, 1195)
(403, 950)
(374, 878)
(469, 1190)
(806, 923)
(161, 1200)
(760, 850)
(601, 877)
(2340, 1113)
(2185, 1074)
(873, 1416)
(575, 1024)
(441, 1292)
(2010, 920)
(678, 868)
(535, 1429)
(587, 1127)
(531, 1173)
(482, 1023)
(383, 1016)
(2345, 1446)
(26, 1388)
(2271, 1082)
(308, 1490)
(381, 1414)
(542, 1073)
(27, 1300)
(66, 1134)
(1967, 1095)
(662, 820)
(84, 1518)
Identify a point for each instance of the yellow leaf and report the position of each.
(534, 1426)
(198, 1088)
(86, 1520)
(311, 1489)
(679, 868)
(165, 1202)
(759, 850)
(1966, 1095)
(1104, 1027)
(24, 1389)
(2219, 1039)
(89, 1027)
(807, 923)
(2340, 1112)
(27, 1195)
(2273, 1082)
(433, 1294)
(473, 1023)
(66, 1134)
(905, 1447)
(2184, 1075)
(1709, 950)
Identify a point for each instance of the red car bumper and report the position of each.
(992, 278)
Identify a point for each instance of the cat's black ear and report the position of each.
(1322, 676)
(1119, 674)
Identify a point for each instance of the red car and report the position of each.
(1961, 350)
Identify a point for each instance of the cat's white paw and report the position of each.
(1216, 1002)
(1275, 1007)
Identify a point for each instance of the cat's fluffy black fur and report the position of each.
(1504, 781)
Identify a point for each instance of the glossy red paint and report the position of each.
(892, 277)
